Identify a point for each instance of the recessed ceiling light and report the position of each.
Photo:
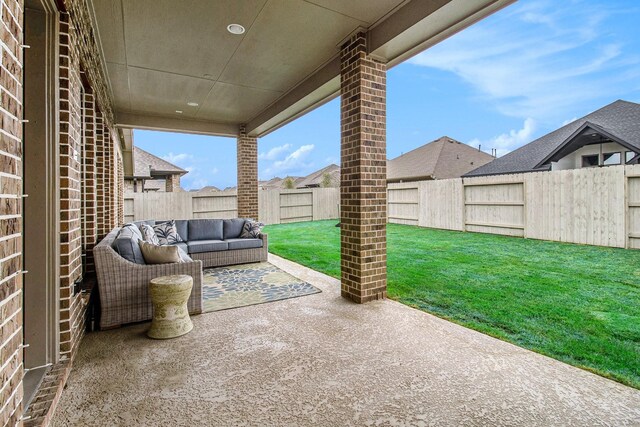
(235, 29)
(192, 104)
(179, 111)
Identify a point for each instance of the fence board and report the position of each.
(403, 203)
(633, 206)
(296, 206)
(579, 206)
(274, 206)
(495, 205)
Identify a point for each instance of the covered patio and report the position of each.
(320, 360)
(78, 75)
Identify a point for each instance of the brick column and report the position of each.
(247, 175)
(363, 191)
(172, 183)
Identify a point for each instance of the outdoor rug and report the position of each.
(249, 284)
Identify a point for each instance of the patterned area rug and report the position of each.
(249, 284)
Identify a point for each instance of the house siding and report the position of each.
(11, 366)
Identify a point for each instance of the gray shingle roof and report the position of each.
(440, 159)
(620, 118)
(315, 179)
(143, 159)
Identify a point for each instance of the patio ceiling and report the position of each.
(159, 57)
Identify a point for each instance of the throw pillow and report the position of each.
(159, 254)
(251, 229)
(167, 233)
(149, 234)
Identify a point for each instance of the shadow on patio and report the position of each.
(322, 360)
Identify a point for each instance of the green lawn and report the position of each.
(579, 304)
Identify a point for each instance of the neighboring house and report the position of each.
(607, 137)
(151, 173)
(208, 188)
(325, 177)
(440, 159)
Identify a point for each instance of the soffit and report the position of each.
(159, 56)
(162, 54)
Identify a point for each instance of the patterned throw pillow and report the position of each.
(149, 234)
(251, 229)
(167, 233)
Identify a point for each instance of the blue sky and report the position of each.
(501, 83)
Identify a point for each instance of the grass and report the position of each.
(579, 304)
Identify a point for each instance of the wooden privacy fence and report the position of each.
(594, 206)
(274, 206)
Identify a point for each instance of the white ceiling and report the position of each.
(161, 54)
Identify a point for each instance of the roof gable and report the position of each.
(620, 119)
(147, 165)
(440, 159)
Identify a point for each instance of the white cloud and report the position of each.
(293, 163)
(539, 59)
(275, 152)
(214, 171)
(177, 158)
(509, 141)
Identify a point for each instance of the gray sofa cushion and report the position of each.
(183, 254)
(198, 246)
(205, 229)
(182, 245)
(126, 244)
(182, 225)
(133, 228)
(232, 228)
(244, 243)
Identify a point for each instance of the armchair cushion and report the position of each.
(126, 244)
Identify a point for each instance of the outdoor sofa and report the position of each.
(123, 277)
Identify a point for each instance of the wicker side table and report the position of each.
(169, 296)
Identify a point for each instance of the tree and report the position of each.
(326, 180)
(289, 184)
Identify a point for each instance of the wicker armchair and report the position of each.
(123, 285)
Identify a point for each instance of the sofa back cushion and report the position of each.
(182, 225)
(232, 228)
(126, 244)
(205, 229)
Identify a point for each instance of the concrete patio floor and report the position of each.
(320, 360)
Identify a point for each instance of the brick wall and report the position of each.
(70, 184)
(11, 368)
(100, 173)
(120, 190)
(89, 218)
(247, 153)
(363, 193)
